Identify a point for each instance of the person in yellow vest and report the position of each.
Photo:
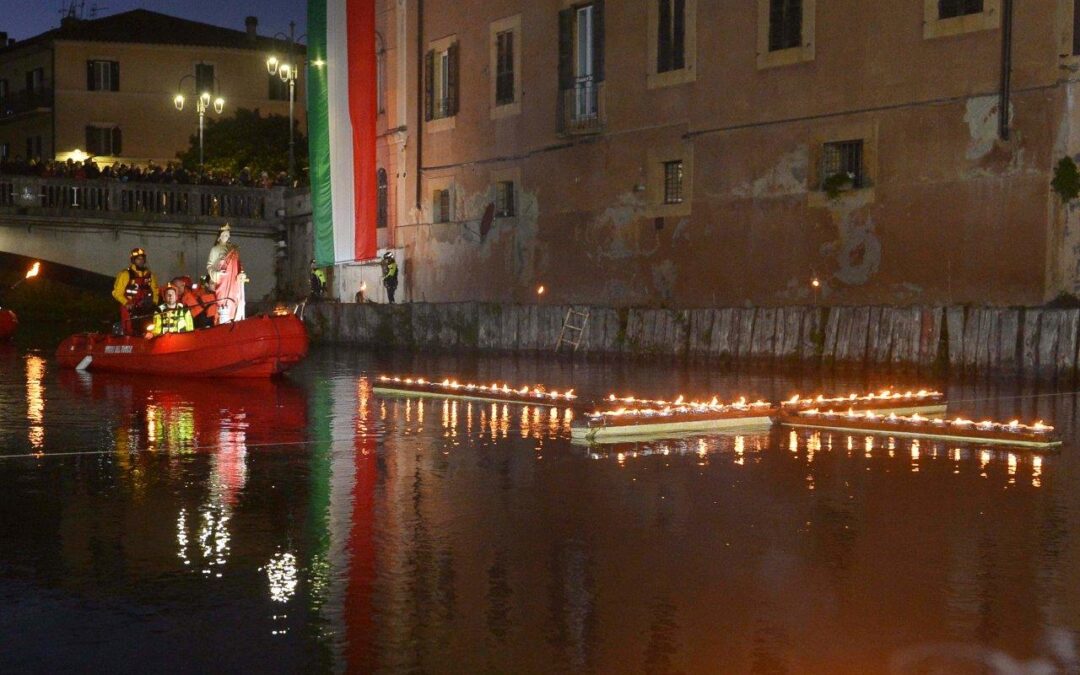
(172, 316)
(136, 290)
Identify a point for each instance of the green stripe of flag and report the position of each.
(319, 134)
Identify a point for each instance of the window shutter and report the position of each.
(663, 37)
(114, 72)
(678, 35)
(429, 86)
(116, 138)
(91, 141)
(566, 49)
(452, 59)
(89, 77)
(598, 40)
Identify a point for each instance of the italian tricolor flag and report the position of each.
(341, 128)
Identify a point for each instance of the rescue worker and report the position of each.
(136, 290)
(171, 316)
(201, 302)
(390, 275)
(317, 281)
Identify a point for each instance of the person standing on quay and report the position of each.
(390, 275)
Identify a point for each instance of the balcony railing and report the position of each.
(142, 201)
(18, 102)
(582, 108)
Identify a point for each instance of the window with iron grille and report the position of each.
(504, 198)
(948, 9)
(440, 202)
(204, 78)
(103, 76)
(671, 37)
(785, 24)
(673, 182)
(382, 215)
(504, 67)
(844, 157)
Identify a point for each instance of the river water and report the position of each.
(308, 524)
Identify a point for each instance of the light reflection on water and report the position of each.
(332, 529)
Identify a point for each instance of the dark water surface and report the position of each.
(309, 525)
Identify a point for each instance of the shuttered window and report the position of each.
(440, 204)
(1076, 28)
(504, 67)
(441, 83)
(504, 199)
(948, 9)
(204, 78)
(785, 24)
(671, 37)
(381, 199)
(102, 75)
(103, 141)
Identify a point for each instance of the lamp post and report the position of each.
(288, 71)
(203, 101)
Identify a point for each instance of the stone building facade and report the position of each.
(694, 153)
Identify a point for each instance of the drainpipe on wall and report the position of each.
(1006, 69)
(419, 100)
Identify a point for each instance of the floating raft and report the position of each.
(1037, 435)
(922, 402)
(655, 420)
(493, 393)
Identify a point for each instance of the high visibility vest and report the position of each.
(173, 320)
(134, 287)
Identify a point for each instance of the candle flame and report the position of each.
(34, 270)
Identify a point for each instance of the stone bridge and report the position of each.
(93, 224)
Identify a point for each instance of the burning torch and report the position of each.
(29, 275)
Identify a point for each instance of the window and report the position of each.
(842, 158)
(785, 24)
(949, 9)
(671, 36)
(5, 151)
(380, 78)
(102, 76)
(440, 206)
(504, 199)
(3, 89)
(581, 64)
(441, 83)
(102, 141)
(279, 89)
(35, 80)
(381, 199)
(204, 78)
(1075, 35)
(673, 182)
(504, 67)
(33, 147)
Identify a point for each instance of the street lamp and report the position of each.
(288, 71)
(203, 101)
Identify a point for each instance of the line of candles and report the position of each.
(537, 392)
(916, 419)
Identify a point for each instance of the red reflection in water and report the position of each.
(360, 653)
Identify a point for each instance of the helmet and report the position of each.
(186, 280)
(388, 255)
(136, 252)
(169, 287)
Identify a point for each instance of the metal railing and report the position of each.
(57, 196)
(582, 108)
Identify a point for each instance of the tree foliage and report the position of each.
(247, 140)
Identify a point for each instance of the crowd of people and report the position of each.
(182, 305)
(171, 173)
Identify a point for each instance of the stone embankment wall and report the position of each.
(969, 340)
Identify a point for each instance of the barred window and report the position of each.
(785, 24)
(382, 215)
(504, 198)
(844, 157)
(504, 67)
(673, 182)
(440, 204)
(948, 9)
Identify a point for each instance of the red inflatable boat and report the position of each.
(8, 323)
(257, 347)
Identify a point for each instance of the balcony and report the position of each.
(143, 202)
(582, 109)
(26, 101)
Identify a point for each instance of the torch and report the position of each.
(29, 275)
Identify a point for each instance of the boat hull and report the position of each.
(261, 346)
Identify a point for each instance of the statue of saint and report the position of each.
(227, 275)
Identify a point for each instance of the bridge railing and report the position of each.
(143, 201)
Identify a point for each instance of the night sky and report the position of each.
(26, 18)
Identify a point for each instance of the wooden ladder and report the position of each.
(572, 333)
